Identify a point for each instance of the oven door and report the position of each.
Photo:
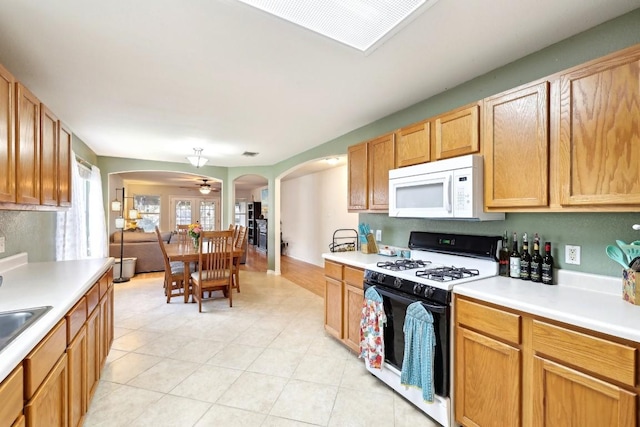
(395, 307)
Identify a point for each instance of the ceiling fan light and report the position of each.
(205, 189)
(197, 160)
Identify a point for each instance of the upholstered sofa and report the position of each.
(141, 245)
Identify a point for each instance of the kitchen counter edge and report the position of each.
(356, 259)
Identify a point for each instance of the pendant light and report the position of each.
(197, 160)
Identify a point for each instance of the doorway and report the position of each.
(188, 210)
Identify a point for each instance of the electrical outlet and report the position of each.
(572, 254)
(379, 235)
(1, 244)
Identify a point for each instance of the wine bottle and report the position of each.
(514, 259)
(536, 261)
(525, 259)
(503, 258)
(547, 265)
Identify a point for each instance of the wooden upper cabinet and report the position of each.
(27, 146)
(516, 147)
(368, 173)
(413, 144)
(7, 154)
(600, 132)
(458, 132)
(48, 157)
(357, 166)
(381, 161)
(64, 165)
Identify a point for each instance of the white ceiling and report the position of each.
(152, 79)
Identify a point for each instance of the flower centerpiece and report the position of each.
(194, 231)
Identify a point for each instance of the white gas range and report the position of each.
(438, 262)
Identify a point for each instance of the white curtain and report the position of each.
(71, 230)
(97, 225)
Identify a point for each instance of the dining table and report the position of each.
(188, 253)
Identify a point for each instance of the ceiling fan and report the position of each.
(204, 188)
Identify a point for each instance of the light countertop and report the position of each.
(586, 300)
(57, 284)
(356, 258)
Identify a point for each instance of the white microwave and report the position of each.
(445, 189)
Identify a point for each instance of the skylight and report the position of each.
(360, 24)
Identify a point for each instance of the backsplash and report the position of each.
(592, 231)
(32, 232)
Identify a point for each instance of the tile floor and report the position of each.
(265, 362)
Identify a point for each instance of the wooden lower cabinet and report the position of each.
(93, 351)
(353, 297)
(514, 369)
(11, 396)
(77, 366)
(333, 307)
(487, 381)
(49, 405)
(566, 397)
(343, 303)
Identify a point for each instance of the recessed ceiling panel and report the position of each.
(360, 24)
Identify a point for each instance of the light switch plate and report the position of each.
(2, 244)
(379, 235)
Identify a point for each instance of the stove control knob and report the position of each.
(381, 277)
(417, 289)
(429, 292)
(397, 283)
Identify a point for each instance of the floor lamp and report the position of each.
(118, 206)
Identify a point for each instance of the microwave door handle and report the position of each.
(448, 194)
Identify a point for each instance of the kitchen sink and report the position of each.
(15, 322)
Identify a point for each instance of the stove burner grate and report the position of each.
(403, 264)
(446, 274)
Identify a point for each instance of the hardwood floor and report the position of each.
(308, 276)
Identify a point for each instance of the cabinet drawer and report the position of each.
(606, 358)
(498, 323)
(353, 276)
(104, 284)
(11, 393)
(39, 362)
(332, 269)
(76, 318)
(93, 296)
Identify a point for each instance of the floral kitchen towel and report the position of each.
(371, 329)
(419, 344)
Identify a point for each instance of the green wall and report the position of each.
(592, 231)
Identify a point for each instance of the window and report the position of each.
(206, 211)
(149, 211)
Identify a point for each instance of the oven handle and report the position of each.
(434, 308)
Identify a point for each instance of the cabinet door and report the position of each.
(77, 367)
(413, 144)
(48, 157)
(381, 161)
(353, 297)
(600, 132)
(487, 381)
(49, 404)
(27, 146)
(64, 165)
(357, 172)
(7, 153)
(106, 327)
(516, 148)
(458, 132)
(565, 397)
(11, 395)
(333, 307)
(93, 351)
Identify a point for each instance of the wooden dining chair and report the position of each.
(182, 233)
(239, 243)
(173, 273)
(214, 266)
